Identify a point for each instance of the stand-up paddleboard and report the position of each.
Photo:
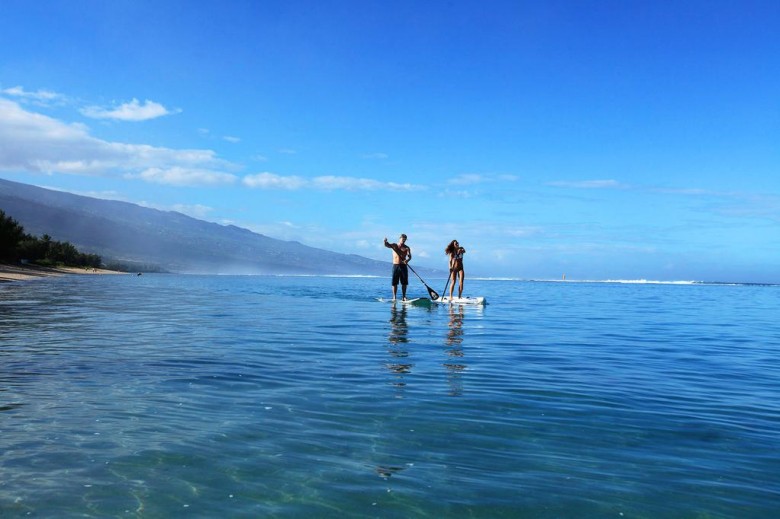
(417, 301)
(462, 300)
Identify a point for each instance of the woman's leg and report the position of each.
(460, 286)
(453, 275)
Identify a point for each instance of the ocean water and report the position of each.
(219, 396)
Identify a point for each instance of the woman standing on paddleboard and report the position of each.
(456, 252)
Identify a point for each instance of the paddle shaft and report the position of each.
(431, 291)
(449, 277)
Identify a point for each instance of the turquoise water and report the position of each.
(163, 395)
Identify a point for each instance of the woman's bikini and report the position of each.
(457, 262)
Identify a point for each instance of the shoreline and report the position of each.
(27, 272)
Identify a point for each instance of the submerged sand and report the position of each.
(25, 272)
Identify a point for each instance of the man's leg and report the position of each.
(404, 279)
(394, 281)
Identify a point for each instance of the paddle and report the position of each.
(449, 276)
(431, 292)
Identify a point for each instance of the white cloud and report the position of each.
(230, 138)
(40, 144)
(376, 156)
(327, 183)
(273, 181)
(132, 111)
(180, 176)
(360, 184)
(40, 97)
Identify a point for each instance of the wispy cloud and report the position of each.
(273, 181)
(196, 210)
(181, 176)
(732, 204)
(360, 184)
(476, 185)
(765, 207)
(466, 179)
(39, 97)
(589, 184)
(684, 191)
(37, 143)
(376, 156)
(207, 134)
(130, 111)
(458, 193)
(268, 180)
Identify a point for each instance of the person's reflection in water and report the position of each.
(454, 343)
(398, 339)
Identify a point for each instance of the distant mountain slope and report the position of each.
(127, 232)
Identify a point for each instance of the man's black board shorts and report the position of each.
(400, 273)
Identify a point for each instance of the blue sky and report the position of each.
(603, 140)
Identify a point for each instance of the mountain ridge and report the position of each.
(126, 232)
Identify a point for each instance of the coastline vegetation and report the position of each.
(17, 246)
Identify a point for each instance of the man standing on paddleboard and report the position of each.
(402, 255)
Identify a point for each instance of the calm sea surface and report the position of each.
(217, 396)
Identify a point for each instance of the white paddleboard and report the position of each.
(417, 301)
(462, 300)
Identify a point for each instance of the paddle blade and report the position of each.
(432, 293)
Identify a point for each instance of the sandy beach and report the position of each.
(26, 272)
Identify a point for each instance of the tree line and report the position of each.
(17, 245)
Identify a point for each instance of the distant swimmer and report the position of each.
(402, 255)
(456, 252)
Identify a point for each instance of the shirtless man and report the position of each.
(402, 255)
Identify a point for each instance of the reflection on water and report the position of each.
(454, 343)
(398, 340)
(216, 396)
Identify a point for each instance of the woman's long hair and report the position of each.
(451, 248)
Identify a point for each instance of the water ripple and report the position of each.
(252, 396)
